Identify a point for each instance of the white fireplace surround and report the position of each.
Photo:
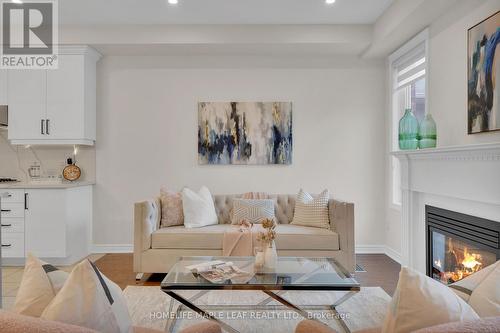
(465, 179)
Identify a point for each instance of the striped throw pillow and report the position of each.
(252, 210)
(39, 285)
(89, 299)
(312, 211)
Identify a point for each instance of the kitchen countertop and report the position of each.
(46, 185)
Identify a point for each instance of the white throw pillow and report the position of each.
(39, 285)
(198, 208)
(485, 299)
(420, 302)
(312, 211)
(465, 287)
(252, 210)
(91, 300)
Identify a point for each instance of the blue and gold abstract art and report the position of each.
(483, 69)
(245, 133)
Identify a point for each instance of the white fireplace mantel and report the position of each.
(468, 176)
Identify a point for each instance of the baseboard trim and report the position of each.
(379, 249)
(393, 254)
(112, 248)
(370, 249)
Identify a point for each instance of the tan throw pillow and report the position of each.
(465, 287)
(420, 301)
(252, 210)
(91, 300)
(39, 285)
(171, 208)
(485, 299)
(312, 211)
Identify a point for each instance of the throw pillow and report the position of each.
(312, 211)
(252, 210)
(198, 208)
(485, 299)
(465, 287)
(91, 300)
(39, 285)
(171, 209)
(420, 301)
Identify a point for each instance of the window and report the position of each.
(408, 67)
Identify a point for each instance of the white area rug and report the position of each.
(149, 307)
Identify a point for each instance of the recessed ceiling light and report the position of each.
(17, 1)
(173, 2)
(329, 2)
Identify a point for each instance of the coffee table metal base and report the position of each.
(261, 306)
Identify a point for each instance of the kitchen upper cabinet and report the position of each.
(3, 86)
(55, 106)
(27, 103)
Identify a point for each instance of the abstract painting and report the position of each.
(483, 92)
(245, 133)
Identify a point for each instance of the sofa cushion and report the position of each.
(90, 299)
(11, 322)
(179, 237)
(39, 285)
(420, 301)
(252, 210)
(312, 211)
(171, 208)
(295, 237)
(289, 237)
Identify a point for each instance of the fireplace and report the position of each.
(458, 244)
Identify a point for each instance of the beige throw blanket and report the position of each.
(240, 240)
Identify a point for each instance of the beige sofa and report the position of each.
(156, 250)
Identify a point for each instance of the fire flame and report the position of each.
(471, 261)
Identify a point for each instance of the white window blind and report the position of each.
(410, 67)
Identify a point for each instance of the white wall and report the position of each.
(448, 76)
(447, 100)
(147, 136)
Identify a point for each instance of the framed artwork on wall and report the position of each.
(483, 76)
(256, 133)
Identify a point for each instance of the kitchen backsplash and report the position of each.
(16, 160)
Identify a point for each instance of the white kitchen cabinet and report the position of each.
(45, 224)
(27, 103)
(56, 106)
(3, 86)
(12, 212)
(52, 223)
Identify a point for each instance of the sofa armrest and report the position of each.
(342, 222)
(147, 216)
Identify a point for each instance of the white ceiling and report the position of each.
(220, 12)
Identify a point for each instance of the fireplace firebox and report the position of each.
(459, 245)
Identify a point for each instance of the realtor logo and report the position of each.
(29, 34)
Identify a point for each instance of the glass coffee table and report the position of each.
(290, 274)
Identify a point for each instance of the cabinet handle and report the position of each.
(9, 195)
(6, 225)
(47, 127)
(6, 210)
(6, 245)
(26, 201)
(42, 126)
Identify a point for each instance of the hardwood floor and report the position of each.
(381, 271)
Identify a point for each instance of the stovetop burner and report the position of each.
(8, 180)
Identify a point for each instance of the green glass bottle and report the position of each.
(427, 134)
(408, 131)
